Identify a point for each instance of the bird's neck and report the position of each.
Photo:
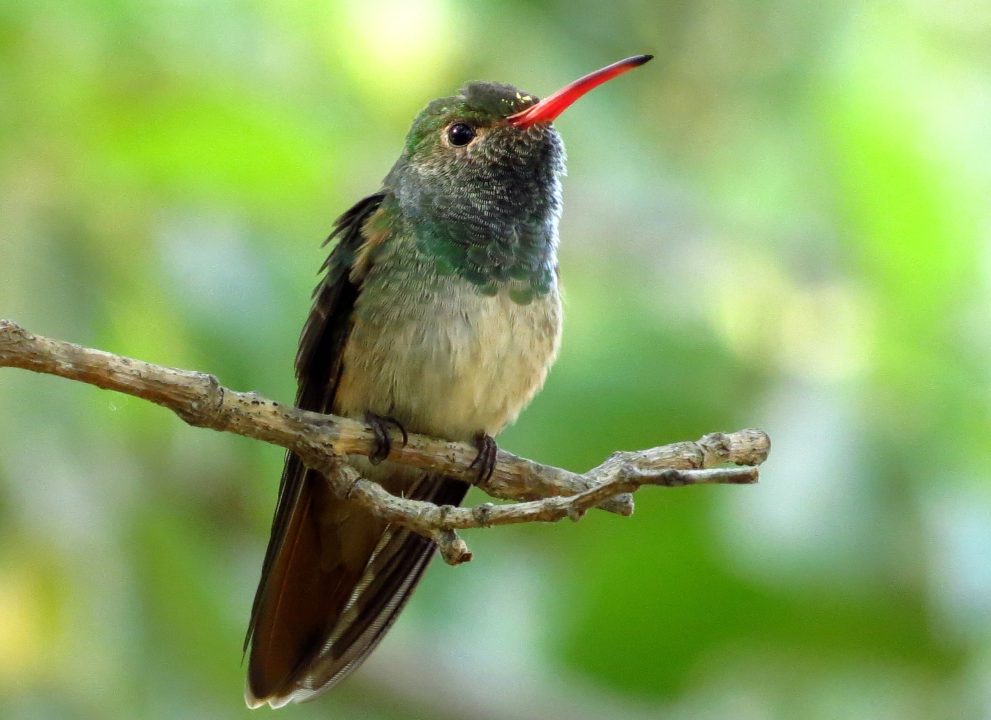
(489, 245)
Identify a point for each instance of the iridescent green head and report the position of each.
(478, 183)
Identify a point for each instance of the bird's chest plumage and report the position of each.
(440, 357)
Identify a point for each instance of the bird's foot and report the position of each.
(383, 443)
(485, 461)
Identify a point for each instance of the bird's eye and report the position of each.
(460, 134)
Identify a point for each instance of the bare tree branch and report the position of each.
(548, 494)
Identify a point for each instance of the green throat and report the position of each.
(521, 256)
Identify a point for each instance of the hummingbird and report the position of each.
(438, 312)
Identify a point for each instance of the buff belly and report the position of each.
(442, 358)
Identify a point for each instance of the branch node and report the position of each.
(630, 474)
(482, 513)
(452, 548)
(13, 332)
(716, 448)
(443, 511)
(672, 478)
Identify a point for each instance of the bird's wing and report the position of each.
(334, 577)
(275, 636)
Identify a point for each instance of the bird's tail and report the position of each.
(334, 580)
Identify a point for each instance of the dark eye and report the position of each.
(460, 134)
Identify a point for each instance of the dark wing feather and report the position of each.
(318, 360)
(393, 571)
(318, 368)
(334, 578)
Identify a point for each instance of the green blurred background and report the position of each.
(782, 221)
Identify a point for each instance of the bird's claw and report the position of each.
(485, 461)
(383, 443)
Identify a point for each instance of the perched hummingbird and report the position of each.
(439, 313)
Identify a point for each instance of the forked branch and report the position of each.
(546, 493)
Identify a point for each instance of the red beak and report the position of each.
(552, 106)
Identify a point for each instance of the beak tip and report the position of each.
(552, 106)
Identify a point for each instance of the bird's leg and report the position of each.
(383, 443)
(486, 458)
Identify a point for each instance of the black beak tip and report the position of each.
(642, 59)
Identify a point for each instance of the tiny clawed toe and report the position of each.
(383, 443)
(485, 461)
(399, 426)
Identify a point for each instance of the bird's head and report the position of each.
(480, 171)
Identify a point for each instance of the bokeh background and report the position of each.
(783, 222)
